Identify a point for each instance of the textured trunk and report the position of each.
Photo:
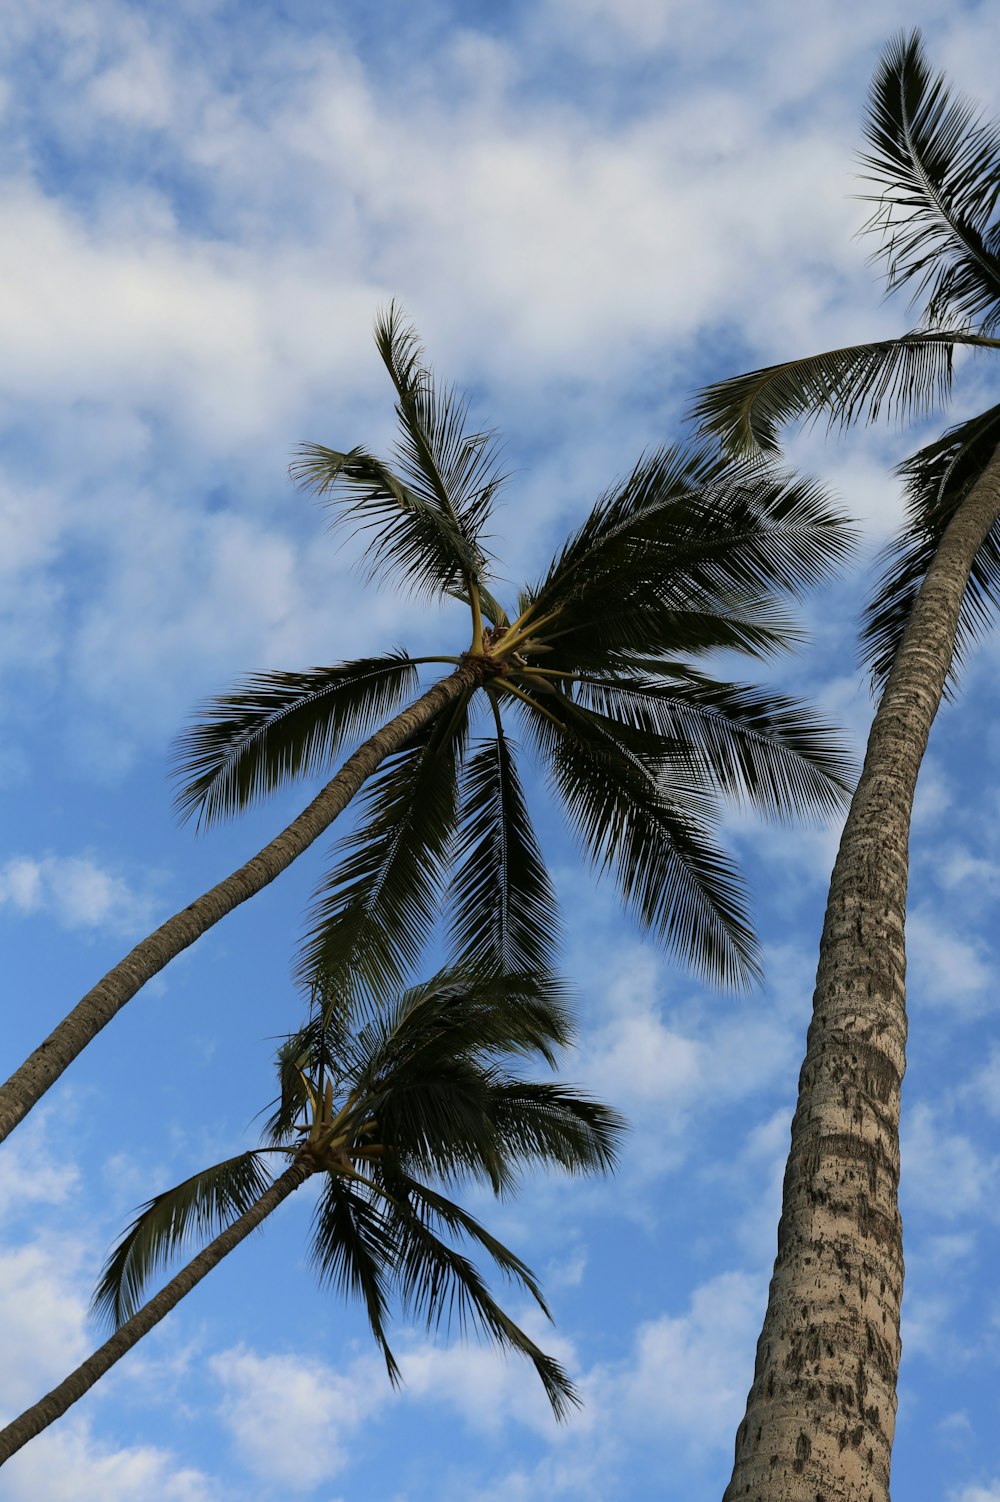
(42, 1068)
(822, 1409)
(55, 1403)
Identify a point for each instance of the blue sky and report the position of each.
(589, 207)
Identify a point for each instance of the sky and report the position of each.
(589, 208)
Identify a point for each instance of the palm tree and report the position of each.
(598, 664)
(821, 1411)
(386, 1116)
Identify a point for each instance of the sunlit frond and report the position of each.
(193, 1211)
(937, 478)
(936, 166)
(279, 726)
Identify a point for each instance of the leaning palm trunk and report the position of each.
(45, 1412)
(42, 1068)
(821, 1412)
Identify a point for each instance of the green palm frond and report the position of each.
(936, 164)
(444, 1215)
(410, 539)
(425, 513)
(278, 726)
(764, 750)
(644, 817)
(937, 478)
(457, 1014)
(687, 555)
(320, 1053)
(195, 1210)
(442, 1287)
(553, 1124)
(902, 379)
(354, 1249)
(504, 915)
(453, 469)
(374, 912)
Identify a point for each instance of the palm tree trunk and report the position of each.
(42, 1068)
(45, 1412)
(822, 1409)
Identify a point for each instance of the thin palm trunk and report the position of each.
(45, 1412)
(43, 1067)
(822, 1409)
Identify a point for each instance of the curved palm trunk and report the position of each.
(822, 1409)
(42, 1068)
(45, 1412)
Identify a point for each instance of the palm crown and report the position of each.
(935, 167)
(415, 1102)
(598, 666)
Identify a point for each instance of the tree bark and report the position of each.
(45, 1412)
(822, 1409)
(43, 1067)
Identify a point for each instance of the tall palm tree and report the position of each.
(386, 1117)
(599, 665)
(821, 1412)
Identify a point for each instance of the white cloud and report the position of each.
(68, 1465)
(77, 891)
(954, 971)
(292, 1419)
(43, 1316)
(944, 1174)
(30, 1174)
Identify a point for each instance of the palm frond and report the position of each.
(762, 749)
(936, 163)
(554, 1125)
(644, 817)
(504, 915)
(937, 478)
(441, 1286)
(307, 1060)
(195, 1210)
(373, 914)
(279, 726)
(903, 379)
(410, 540)
(452, 469)
(470, 1015)
(690, 548)
(353, 1249)
(424, 513)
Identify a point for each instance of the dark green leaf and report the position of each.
(373, 914)
(936, 164)
(194, 1211)
(504, 917)
(279, 726)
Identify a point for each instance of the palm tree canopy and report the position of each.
(596, 665)
(934, 164)
(419, 1100)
